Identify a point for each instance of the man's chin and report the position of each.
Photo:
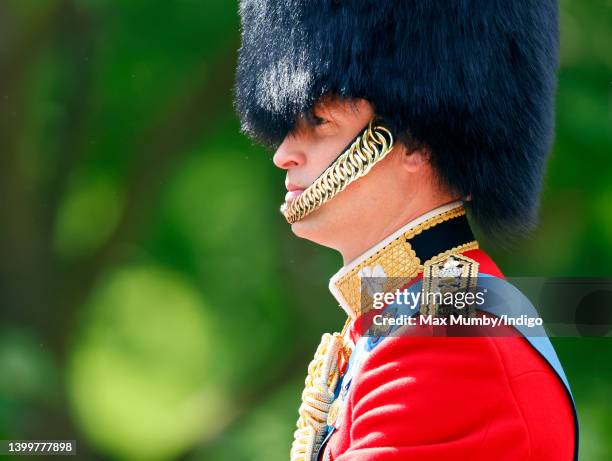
(318, 227)
(305, 228)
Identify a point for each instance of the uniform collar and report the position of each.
(440, 232)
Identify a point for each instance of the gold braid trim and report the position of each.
(434, 221)
(368, 149)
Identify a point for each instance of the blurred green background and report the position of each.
(154, 304)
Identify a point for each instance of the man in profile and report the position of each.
(391, 119)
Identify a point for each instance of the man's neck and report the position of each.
(367, 239)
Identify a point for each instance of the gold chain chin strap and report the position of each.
(368, 149)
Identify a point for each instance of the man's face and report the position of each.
(310, 149)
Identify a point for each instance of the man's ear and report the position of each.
(414, 160)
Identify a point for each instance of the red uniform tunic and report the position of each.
(442, 398)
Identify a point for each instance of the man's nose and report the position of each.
(289, 154)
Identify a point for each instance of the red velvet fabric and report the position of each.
(426, 398)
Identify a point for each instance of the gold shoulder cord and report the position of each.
(368, 149)
(324, 371)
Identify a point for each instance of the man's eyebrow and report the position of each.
(310, 117)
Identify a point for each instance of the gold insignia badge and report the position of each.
(445, 280)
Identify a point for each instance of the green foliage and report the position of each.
(87, 217)
(139, 376)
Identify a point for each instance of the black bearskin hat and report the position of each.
(473, 80)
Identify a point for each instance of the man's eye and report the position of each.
(319, 120)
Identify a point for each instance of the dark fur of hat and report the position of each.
(473, 80)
